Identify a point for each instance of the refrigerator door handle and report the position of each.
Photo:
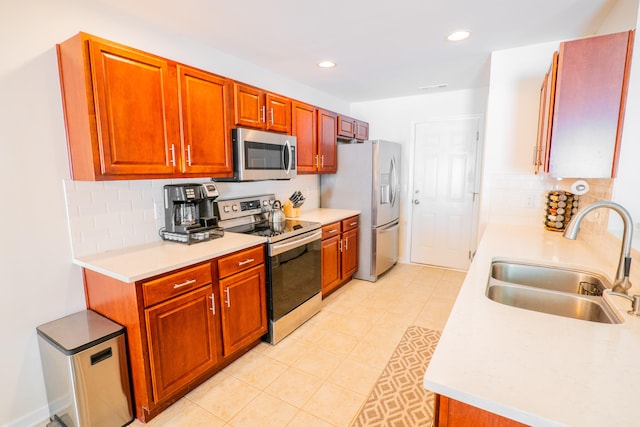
(394, 181)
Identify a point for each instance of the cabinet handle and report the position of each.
(271, 114)
(189, 154)
(317, 164)
(188, 282)
(227, 299)
(213, 304)
(322, 162)
(173, 155)
(353, 223)
(333, 231)
(346, 244)
(247, 261)
(262, 114)
(340, 245)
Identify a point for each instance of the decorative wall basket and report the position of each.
(561, 205)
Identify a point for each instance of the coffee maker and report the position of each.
(189, 213)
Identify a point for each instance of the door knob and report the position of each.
(416, 202)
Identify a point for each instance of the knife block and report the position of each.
(290, 211)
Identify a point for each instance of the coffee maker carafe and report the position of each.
(189, 213)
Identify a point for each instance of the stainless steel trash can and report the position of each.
(86, 373)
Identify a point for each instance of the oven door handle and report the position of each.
(278, 248)
(287, 147)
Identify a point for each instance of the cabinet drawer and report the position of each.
(350, 223)
(165, 287)
(240, 261)
(330, 230)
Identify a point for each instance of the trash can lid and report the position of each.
(77, 332)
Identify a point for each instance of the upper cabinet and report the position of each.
(304, 126)
(204, 109)
(327, 161)
(258, 109)
(123, 110)
(582, 107)
(350, 128)
(134, 115)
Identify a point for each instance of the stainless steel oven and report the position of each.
(293, 261)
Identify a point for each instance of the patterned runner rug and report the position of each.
(398, 398)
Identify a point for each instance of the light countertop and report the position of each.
(326, 216)
(140, 262)
(536, 368)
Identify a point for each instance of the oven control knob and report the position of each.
(226, 209)
(234, 208)
(265, 202)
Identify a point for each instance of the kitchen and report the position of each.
(54, 288)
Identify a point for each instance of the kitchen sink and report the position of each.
(548, 289)
(548, 277)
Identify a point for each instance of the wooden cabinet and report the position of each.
(351, 128)
(304, 126)
(123, 109)
(327, 143)
(184, 326)
(258, 109)
(452, 413)
(545, 116)
(582, 113)
(204, 109)
(339, 253)
(244, 309)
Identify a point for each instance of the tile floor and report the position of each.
(321, 374)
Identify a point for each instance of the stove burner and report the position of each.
(266, 229)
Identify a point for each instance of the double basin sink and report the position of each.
(549, 289)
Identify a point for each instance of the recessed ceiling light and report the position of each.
(326, 64)
(460, 35)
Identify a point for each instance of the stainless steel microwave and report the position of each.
(259, 155)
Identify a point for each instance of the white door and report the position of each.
(444, 192)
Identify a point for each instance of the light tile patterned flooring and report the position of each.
(322, 373)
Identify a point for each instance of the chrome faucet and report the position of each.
(622, 283)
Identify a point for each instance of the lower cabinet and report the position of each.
(244, 300)
(453, 413)
(184, 326)
(339, 253)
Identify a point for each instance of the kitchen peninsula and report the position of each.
(536, 368)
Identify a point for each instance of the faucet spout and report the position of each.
(622, 283)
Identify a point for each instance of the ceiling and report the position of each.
(383, 48)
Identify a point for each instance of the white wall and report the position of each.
(39, 282)
(393, 120)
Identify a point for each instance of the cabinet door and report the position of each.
(362, 130)
(304, 128)
(330, 264)
(278, 113)
(589, 105)
(327, 143)
(136, 110)
(346, 127)
(177, 357)
(244, 308)
(249, 109)
(349, 253)
(206, 140)
(452, 413)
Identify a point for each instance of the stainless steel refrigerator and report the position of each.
(368, 180)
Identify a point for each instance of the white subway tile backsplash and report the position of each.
(115, 215)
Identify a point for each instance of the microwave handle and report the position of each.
(288, 147)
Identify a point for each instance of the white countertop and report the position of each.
(326, 216)
(140, 262)
(536, 368)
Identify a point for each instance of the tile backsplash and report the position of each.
(109, 215)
